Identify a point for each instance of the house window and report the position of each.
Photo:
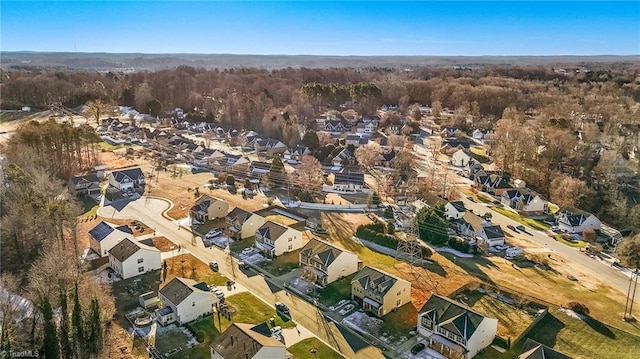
(399, 292)
(193, 304)
(140, 269)
(442, 331)
(398, 302)
(451, 336)
(290, 239)
(140, 260)
(427, 323)
(290, 247)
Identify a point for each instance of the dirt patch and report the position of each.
(115, 161)
(163, 244)
(278, 218)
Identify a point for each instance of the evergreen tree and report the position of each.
(76, 318)
(95, 329)
(310, 139)
(66, 348)
(50, 349)
(432, 225)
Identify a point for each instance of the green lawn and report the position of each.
(400, 322)
(238, 246)
(526, 221)
(208, 331)
(283, 264)
(170, 340)
(336, 291)
(105, 147)
(577, 244)
(90, 207)
(303, 350)
(252, 310)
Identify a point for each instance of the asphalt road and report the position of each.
(149, 211)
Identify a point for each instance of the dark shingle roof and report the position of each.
(242, 341)
(240, 214)
(452, 316)
(272, 230)
(345, 178)
(322, 251)
(125, 249)
(178, 289)
(374, 280)
(459, 206)
(493, 232)
(535, 350)
(92, 178)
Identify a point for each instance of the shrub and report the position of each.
(578, 307)
(200, 336)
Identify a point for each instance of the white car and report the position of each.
(248, 251)
(346, 309)
(276, 331)
(213, 233)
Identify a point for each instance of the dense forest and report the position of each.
(571, 133)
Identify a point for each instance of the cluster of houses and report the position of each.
(126, 181)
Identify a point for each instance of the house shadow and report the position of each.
(120, 204)
(546, 330)
(353, 340)
(436, 268)
(599, 327)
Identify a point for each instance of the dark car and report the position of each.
(521, 228)
(417, 348)
(282, 308)
(471, 199)
(512, 228)
(243, 265)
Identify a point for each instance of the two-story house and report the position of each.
(460, 158)
(524, 201)
(348, 182)
(295, 154)
(207, 208)
(323, 263)
(248, 341)
(453, 210)
(454, 329)
(127, 179)
(185, 300)
(242, 224)
(105, 235)
(130, 258)
(573, 220)
(275, 239)
(88, 185)
(474, 227)
(379, 292)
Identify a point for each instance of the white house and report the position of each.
(380, 292)
(242, 224)
(573, 220)
(248, 341)
(455, 209)
(208, 207)
(524, 201)
(129, 258)
(347, 182)
(460, 158)
(275, 239)
(478, 134)
(453, 329)
(491, 235)
(323, 263)
(185, 300)
(127, 180)
(106, 235)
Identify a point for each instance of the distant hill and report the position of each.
(142, 62)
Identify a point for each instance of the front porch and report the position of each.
(445, 346)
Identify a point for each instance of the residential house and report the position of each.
(534, 350)
(130, 258)
(352, 139)
(478, 134)
(453, 329)
(208, 207)
(343, 157)
(127, 180)
(573, 220)
(275, 239)
(230, 163)
(448, 132)
(185, 300)
(386, 158)
(242, 224)
(451, 146)
(106, 235)
(460, 158)
(453, 210)
(491, 235)
(295, 154)
(494, 184)
(470, 224)
(270, 146)
(333, 126)
(248, 341)
(348, 182)
(323, 263)
(385, 108)
(524, 201)
(88, 185)
(379, 292)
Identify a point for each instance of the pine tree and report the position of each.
(95, 329)
(277, 176)
(76, 318)
(50, 349)
(66, 348)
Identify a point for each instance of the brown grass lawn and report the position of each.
(163, 244)
(512, 321)
(115, 161)
(188, 266)
(278, 218)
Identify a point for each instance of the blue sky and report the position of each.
(324, 28)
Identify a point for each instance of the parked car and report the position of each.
(418, 348)
(214, 266)
(243, 265)
(276, 330)
(347, 308)
(214, 232)
(248, 251)
(521, 228)
(282, 308)
(512, 228)
(218, 293)
(471, 199)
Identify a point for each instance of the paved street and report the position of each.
(149, 211)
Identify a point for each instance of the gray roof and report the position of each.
(242, 341)
(91, 178)
(178, 289)
(240, 214)
(459, 206)
(374, 280)
(321, 251)
(132, 173)
(272, 230)
(125, 249)
(452, 316)
(575, 216)
(493, 232)
(104, 229)
(535, 350)
(346, 178)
